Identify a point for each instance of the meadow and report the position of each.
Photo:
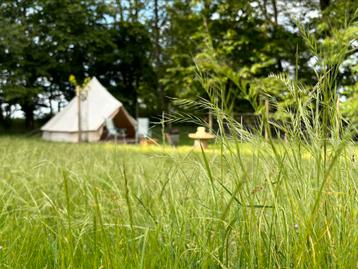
(247, 205)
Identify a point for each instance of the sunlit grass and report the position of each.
(87, 206)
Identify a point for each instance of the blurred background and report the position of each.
(149, 53)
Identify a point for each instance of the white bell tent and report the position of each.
(97, 105)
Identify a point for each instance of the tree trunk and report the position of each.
(120, 10)
(1, 115)
(134, 10)
(275, 12)
(29, 116)
(324, 4)
(50, 99)
(135, 97)
(158, 52)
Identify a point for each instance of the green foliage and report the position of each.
(150, 50)
(45, 41)
(246, 47)
(122, 63)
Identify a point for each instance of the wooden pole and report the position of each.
(210, 121)
(78, 93)
(137, 116)
(170, 125)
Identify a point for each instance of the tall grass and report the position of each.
(247, 206)
(251, 203)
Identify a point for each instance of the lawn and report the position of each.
(113, 206)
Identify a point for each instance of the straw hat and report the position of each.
(201, 134)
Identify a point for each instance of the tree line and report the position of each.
(147, 52)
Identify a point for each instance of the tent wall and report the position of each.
(72, 137)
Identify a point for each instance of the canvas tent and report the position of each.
(97, 105)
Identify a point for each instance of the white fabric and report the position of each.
(72, 137)
(143, 127)
(97, 105)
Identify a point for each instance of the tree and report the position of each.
(123, 63)
(247, 40)
(149, 50)
(46, 40)
(180, 48)
(21, 67)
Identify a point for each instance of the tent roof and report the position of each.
(97, 106)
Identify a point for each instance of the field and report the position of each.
(238, 206)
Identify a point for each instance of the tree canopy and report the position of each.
(149, 51)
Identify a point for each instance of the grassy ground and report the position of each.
(18, 129)
(184, 130)
(112, 206)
